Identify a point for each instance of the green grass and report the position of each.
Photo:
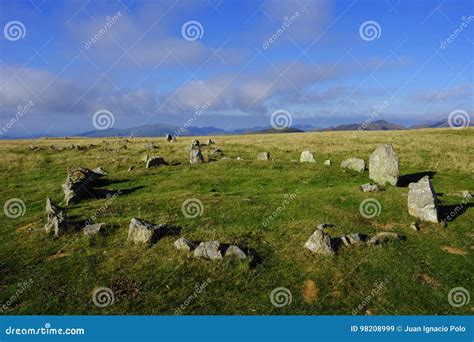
(237, 197)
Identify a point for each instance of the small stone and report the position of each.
(235, 251)
(155, 161)
(208, 250)
(307, 157)
(238, 158)
(263, 156)
(422, 200)
(320, 243)
(327, 162)
(147, 232)
(352, 239)
(100, 171)
(196, 156)
(383, 237)
(415, 226)
(185, 244)
(355, 164)
(369, 187)
(92, 229)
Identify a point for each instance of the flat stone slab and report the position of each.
(355, 164)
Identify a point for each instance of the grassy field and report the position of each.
(43, 274)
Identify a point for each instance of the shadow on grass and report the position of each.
(448, 213)
(404, 180)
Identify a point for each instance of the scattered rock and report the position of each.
(383, 237)
(155, 161)
(327, 162)
(50, 207)
(56, 223)
(263, 156)
(238, 158)
(320, 243)
(147, 232)
(208, 250)
(353, 239)
(210, 141)
(217, 153)
(196, 156)
(235, 251)
(422, 201)
(355, 164)
(369, 187)
(185, 244)
(92, 229)
(150, 146)
(195, 143)
(307, 157)
(79, 184)
(383, 165)
(415, 226)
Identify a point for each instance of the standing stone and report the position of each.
(210, 141)
(355, 164)
(320, 243)
(155, 161)
(208, 250)
(383, 165)
(168, 137)
(147, 232)
(195, 143)
(79, 184)
(196, 156)
(422, 201)
(263, 156)
(307, 157)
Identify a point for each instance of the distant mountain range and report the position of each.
(159, 130)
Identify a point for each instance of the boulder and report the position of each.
(263, 156)
(320, 243)
(307, 157)
(147, 232)
(422, 201)
(185, 244)
(355, 164)
(208, 250)
(196, 156)
(235, 251)
(383, 165)
(369, 187)
(92, 229)
(155, 161)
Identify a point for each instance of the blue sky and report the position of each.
(321, 66)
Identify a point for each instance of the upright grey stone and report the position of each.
(383, 165)
(307, 157)
(263, 156)
(422, 201)
(320, 243)
(196, 156)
